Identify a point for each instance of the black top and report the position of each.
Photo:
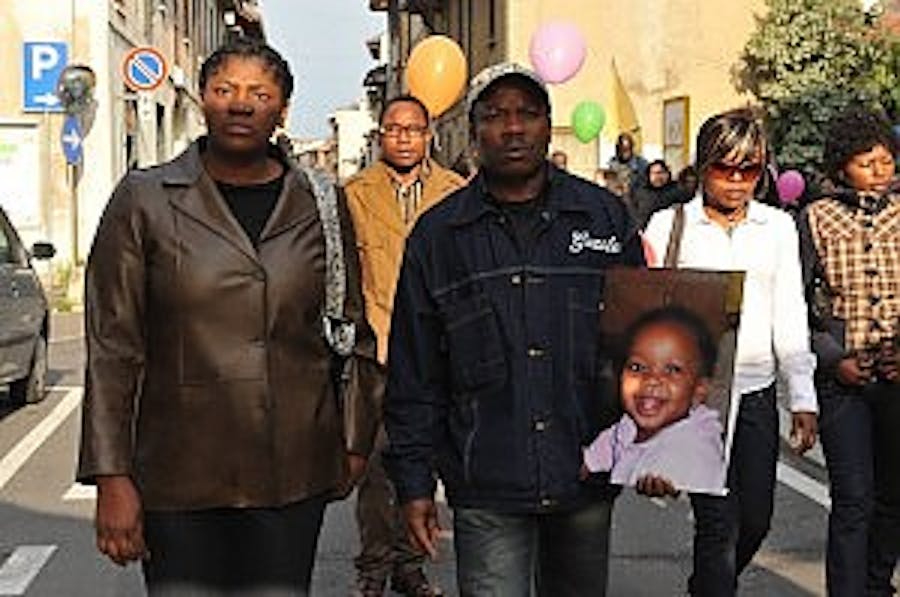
(252, 205)
(523, 219)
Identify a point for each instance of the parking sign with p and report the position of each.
(43, 61)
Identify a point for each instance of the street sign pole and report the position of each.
(71, 139)
(73, 190)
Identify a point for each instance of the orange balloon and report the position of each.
(436, 73)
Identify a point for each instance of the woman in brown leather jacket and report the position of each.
(211, 423)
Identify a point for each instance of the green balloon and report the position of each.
(588, 120)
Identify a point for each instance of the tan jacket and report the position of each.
(208, 377)
(381, 234)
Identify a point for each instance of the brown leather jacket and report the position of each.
(381, 234)
(208, 376)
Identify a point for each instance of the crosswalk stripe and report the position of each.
(21, 568)
(28, 445)
(804, 484)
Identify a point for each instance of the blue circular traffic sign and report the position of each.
(144, 69)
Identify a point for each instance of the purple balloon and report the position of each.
(557, 51)
(790, 186)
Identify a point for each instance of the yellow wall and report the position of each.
(662, 49)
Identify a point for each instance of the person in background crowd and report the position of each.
(659, 193)
(725, 228)
(629, 166)
(495, 319)
(658, 174)
(609, 180)
(466, 164)
(385, 200)
(560, 159)
(851, 252)
(688, 181)
(211, 421)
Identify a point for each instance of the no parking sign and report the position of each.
(144, 69)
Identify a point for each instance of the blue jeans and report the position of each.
(729, 530)
(857, 429)
(560, 554)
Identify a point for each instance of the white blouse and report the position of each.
(774, 333)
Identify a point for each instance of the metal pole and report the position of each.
(73, 187)
(73, 168)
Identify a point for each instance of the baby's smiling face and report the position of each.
(662, 377)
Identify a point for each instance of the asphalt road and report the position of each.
(46, 538)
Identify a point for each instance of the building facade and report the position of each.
(352, 129)
(49, 199)
(674, 61)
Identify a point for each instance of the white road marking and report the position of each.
(22, 567)
(803, 484)
(28, 445)
(65, 388)
(80, 492)
(64, 339)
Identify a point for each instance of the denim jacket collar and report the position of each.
(558, 196)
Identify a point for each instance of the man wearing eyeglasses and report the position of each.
(385, 200)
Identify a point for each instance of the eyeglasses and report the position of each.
(746, 170)
(413, 131)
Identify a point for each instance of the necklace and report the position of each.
(737, 215)
(726, 219)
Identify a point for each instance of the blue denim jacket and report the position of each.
(493, 358)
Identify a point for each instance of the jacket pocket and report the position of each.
(377, 271)
(584, 338)
(475, 346)
(589, 390)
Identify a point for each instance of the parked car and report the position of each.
(24, 317)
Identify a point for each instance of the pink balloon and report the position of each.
(557, 51)
(790, 186)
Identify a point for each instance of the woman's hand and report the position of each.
(804, 427)
(119, 520)
(851, 372)
(887, 363)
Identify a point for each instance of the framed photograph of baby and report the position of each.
(671, 336)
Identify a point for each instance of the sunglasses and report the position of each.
(746, 170)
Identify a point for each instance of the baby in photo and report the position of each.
(667, 431)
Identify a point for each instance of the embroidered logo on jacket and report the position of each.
(581, 240)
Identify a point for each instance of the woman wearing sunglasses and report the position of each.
(725, 228)
(851, 251)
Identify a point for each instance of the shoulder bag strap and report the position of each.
(340, 333)
(674, 246)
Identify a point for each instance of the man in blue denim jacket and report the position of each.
(494, 378)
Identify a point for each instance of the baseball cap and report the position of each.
(494, 73)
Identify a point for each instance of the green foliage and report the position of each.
(810, 59)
